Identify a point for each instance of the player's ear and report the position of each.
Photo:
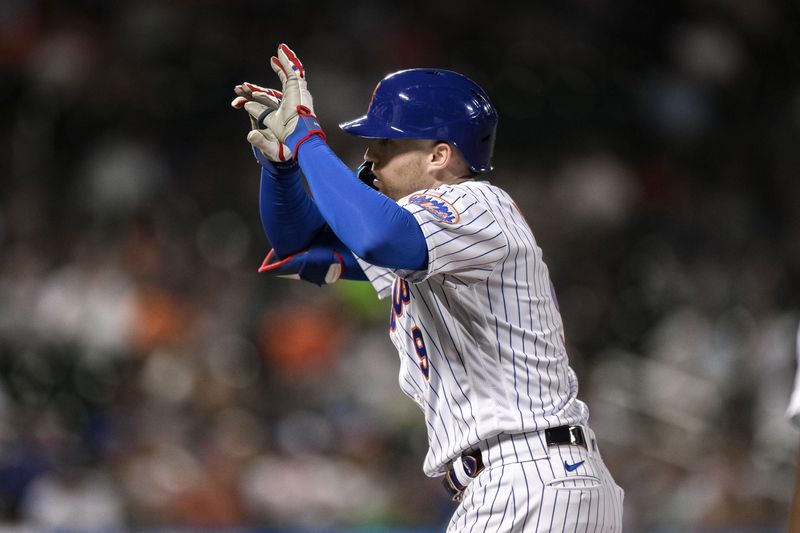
(440, 155)
(445, 157)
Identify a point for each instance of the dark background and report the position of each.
(150, 377)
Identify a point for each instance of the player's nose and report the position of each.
(370, 155)
(373, 152)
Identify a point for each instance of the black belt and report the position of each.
(573, 435)
(472, 460)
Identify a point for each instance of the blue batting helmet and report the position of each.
(434, 104)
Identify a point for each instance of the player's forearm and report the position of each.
(350, 268)
(325, 261)
(289, 217)
(369, 223)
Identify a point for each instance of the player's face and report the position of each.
(400, 165)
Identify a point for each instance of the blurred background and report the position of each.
(150, 379)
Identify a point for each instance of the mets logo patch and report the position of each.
(439, 208)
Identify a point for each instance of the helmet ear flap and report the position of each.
(432, 104)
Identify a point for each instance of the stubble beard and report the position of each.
(411, 178)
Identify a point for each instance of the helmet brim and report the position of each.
(359, 127)
(370, 128)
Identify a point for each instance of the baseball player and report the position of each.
(793, 413)
(473, 315)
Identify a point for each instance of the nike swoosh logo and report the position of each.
(571, 468)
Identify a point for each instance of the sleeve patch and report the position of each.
(441, 209)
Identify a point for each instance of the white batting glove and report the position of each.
(293, 122)
(263, 140)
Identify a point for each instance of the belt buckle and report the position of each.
(576, 436)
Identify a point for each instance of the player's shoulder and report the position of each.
(482, 190)
(461, 195)
(453, 203)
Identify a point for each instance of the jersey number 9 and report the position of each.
(422, 352)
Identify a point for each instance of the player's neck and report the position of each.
(453, 180)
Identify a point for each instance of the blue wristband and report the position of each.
(306, 128)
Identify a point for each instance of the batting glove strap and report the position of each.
(307, 127)
(461, 472)
(276, 168)
(318, 265)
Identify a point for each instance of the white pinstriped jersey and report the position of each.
(479, 333)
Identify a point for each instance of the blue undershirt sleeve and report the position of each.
(326, 239)
(288, 215)
(295, 227)
(369, 223)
